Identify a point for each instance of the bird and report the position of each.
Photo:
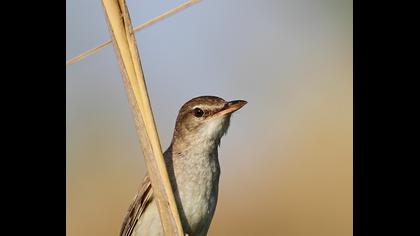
(193, 168)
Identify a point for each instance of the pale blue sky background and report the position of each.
(288, 153)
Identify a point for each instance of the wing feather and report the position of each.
(137, 207)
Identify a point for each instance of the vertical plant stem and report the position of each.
(126, 49)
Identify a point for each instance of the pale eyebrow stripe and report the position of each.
(207, 107)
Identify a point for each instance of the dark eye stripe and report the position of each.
(198, 112)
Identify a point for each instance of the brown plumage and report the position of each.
(140, 201)
(193, 168)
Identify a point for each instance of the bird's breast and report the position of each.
(197, 181)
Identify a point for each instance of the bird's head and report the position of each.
(204, 119)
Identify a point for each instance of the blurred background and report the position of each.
(286, 161)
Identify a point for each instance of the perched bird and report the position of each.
(193, 168)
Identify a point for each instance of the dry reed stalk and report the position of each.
(136, 29)
(126, 49)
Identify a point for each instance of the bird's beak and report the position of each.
(231, 107)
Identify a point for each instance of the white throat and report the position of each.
(211, 133)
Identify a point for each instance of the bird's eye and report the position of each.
(198, 112)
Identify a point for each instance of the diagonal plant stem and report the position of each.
(136, 29)
(125, 46)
